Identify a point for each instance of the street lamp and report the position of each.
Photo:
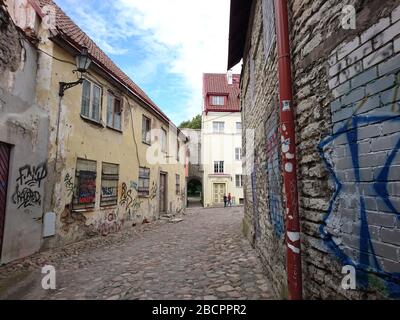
(83, 62)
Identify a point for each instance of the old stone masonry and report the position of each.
(204, 257)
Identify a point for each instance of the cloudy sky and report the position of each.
(163, 45)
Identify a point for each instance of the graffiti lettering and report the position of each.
(28, 182)
(26, 198)
(69, 185)
(32, 176)
(153, 191)
(107, 191)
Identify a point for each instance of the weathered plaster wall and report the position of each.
(80, 138)
(24, 126)
(345, 86)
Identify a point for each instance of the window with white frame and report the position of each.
(239, 181)
(114, 110)
(218, 166)
(91, 100)
(217, 100)
(218, 127)
(238, 127)
(146, 130)
(238, 154)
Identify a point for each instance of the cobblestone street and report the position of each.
(203, 257)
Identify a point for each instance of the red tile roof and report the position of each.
(67, 29)
(216, 84)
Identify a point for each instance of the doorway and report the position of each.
(4, 166)
(163, 192)
(194, 193)
(219, 192)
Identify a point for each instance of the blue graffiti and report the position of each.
(380, 186)
(257, 230)
(274, 183)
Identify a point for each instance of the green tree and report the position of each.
(195, 123)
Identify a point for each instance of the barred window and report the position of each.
(109, 185)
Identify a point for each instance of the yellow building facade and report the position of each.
(114, 160)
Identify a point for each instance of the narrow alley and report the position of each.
(203, 257)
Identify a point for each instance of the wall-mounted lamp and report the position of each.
(82, 65)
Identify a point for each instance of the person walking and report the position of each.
(230, 200)
(225, 200)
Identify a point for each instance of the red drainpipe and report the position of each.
(289, 159)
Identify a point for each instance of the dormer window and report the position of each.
(217, 100)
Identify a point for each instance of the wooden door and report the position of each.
(4, 165)
(219, 192)
(163, 193)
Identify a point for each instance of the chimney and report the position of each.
(230, 77)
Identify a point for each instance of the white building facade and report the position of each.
(222, 140)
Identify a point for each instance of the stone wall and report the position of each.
(347, 119)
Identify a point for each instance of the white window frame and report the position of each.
(113, 113)
(239, 181)
(217, 100)
(146, 132)
(218, 127)
(239, 130)
(238, 154)
(90, 112)
(219, 167)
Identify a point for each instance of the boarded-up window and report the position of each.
(85, 182)
(268, 26)
(114, 110)
(109, 185)
(178, 184)
(144, 182)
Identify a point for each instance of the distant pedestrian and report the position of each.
(225, 200)
(230, 200)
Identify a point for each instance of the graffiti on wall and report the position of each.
(29, 182)
(69, 185)
(111, 223)
(87, 187)
(128, 200)
(274, 179)
(362, 156)
(153, 191)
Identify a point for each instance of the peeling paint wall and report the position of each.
(24, 126)
(85, 139)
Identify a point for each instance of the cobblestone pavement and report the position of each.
(204, 257)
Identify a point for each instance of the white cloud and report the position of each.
(188, 37)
